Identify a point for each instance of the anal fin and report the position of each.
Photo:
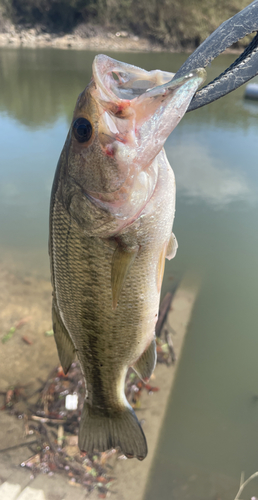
(65, 347)
(121, 264)
(145, 365)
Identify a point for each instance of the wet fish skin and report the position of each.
(107, 249)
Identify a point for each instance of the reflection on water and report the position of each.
(251, 107)
(36, 84)
(40, 85)
(202, 177)
(210, 432)
(28, 158)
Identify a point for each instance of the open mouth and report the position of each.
(125, 81)
(138, 110)
(118, 81)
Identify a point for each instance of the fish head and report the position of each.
(120, 123)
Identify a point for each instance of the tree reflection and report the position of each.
(40, 85)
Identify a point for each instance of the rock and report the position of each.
(122, 34)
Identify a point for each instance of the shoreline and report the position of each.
(96, 39)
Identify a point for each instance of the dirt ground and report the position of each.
(25, 306)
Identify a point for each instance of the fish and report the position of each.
(111, 216)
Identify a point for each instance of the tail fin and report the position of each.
(102, 432)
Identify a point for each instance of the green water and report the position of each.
(210, 433)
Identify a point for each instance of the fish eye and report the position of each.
(82, 129)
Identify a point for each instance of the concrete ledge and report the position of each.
(132, 475)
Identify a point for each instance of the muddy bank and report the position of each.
(84, 38)
(27, 354)
(169, 25)
(89, 37)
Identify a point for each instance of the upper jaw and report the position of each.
(140, 108)
(243, 69)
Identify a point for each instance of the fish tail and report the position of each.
(99, 431)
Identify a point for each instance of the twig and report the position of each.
(46, 420)
(244, 484)
(26, 425)
(49, 438)
(164, 308)
(60, 435)
(26, 340)
(169, 341)
(18, 446)
(35, 392)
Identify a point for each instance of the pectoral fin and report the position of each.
(172, 247)
(121, 264)
(145, 365)
(65, 347)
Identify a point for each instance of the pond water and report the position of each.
(210, 433)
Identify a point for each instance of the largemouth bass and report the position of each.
(111, 217)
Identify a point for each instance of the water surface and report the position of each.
(210, 433)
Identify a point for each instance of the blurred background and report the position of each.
(172, 23)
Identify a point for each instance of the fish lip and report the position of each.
(176, 82)
(104, 68)
(243, 69)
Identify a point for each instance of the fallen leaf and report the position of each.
(26, 340)
(49, 333)
(22, 321)
(8, 335)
